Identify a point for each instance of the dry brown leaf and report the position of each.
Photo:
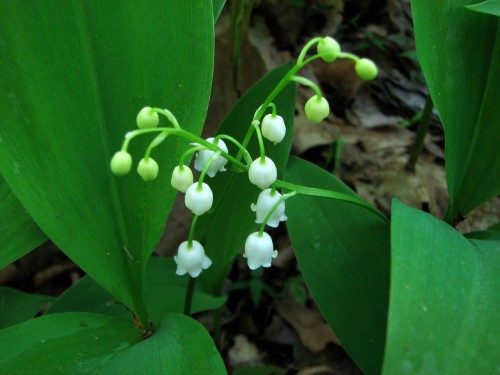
(314, 333)
(317, 370)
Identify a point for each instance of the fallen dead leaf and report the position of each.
(314, 333)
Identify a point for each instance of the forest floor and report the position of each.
(271, 322)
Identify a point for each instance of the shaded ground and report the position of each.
(270, 319)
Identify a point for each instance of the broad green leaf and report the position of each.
(180, 345)
(218, 5)
(73, 75)
(488, 7)
(224, 231)
(459, 52)
(86, 343)
(17, 306)
(71, 343)
(164, 293)
(343, 253)
(18, 233)
(445, 293)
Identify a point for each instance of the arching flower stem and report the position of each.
(248, 157)
(306, 48)
(255, 124)
(205, 168)
(316, 192)
(308, 83)
(169, 115)
(191, 230)
(184, 134)
(186, 154)
(279, 87)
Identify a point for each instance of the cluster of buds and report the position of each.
(212, 155)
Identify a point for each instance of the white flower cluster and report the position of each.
(212, 156)
(199, 199)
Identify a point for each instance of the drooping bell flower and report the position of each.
(262, 173)
(203, 156)
(259, 250)
(191, 259)
(199, 199)
(265, 202)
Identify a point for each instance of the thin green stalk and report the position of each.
(316, 192)
(169, 115)
(270, 98)
(308, 83)
(423, 128)
(188, 300)
(255, 124)
(191, 231)
(192, 150)
(248, 157)
(273, 208)
(349, 56)
(205, 169)
(306, 48)
(184, 134)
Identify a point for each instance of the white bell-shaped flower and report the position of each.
(265, 202)
(259, 250)
(262, 173)
(182, 178)
(199, 200)
(192, 259)
(203, 156)
(273, 128)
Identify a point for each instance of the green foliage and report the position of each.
(19, 233)
(16, 306)
(84, 343)
(343, 253)
(459, 52)
(445, 293)
(164, 292)
(488, 7)
(225, 230)
(71, 87)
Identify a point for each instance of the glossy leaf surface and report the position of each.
(445, 293)
(73, 76)
(224, 231)
(180, 345)
(86, 343)
(18, 233)
(164, 293)
(343, 253)
(459, 52)
(488, 7)
(17, 306)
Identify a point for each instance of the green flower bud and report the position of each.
(146, 118)
(366, 69)
(121, 163)
(317, 109)
(330, 48)
(182, 178)
(148, 169)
